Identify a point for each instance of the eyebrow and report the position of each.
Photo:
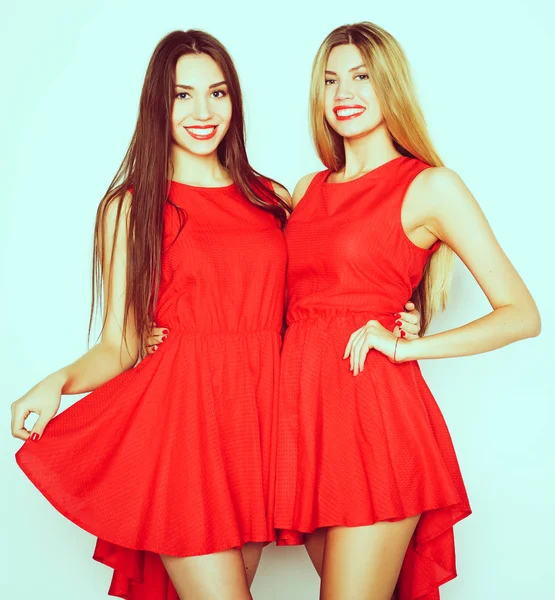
(210, 87)
(350, 70)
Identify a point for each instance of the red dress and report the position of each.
(173, 457)
(356, 450)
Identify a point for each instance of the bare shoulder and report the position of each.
(113, 216)
(116, 207)
(282, 193)
(437, 182)
(301, 187)
(437, 188)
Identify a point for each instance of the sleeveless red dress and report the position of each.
(356, 450)
(173, 457)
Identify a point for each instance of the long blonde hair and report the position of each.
(389, 73)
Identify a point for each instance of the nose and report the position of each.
(343, 91)
(202, 109)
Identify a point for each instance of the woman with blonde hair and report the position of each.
(366, 472)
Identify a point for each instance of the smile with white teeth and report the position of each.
(348, 112)
(202, 132)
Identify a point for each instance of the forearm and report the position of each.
(503, 326)
(100, 364)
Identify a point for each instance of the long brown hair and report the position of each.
(145, 167)
(389, 72)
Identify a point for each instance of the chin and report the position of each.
(200, 149)
(204, 150)
(351, 133)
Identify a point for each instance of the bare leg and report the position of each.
(364, 562)
(219, 576)
(314, 544)
(251, 559)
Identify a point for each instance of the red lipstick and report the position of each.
(352, 115)
(194, 129)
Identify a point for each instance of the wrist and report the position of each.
(405, 351)
(59, 379)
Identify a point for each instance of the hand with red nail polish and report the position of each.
(372, 336)
(408, 322)
(156, 336)
(43, 400)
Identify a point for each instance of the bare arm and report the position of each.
(110, 357)
(440, 206)
(452, 214)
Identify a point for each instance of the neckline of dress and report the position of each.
(202, 187)
(364, 176)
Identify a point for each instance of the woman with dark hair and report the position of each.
(168, 463)
(367, 475)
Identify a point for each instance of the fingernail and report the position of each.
(165, 331)
(403, 334)
(397, 315)
(398, 323)
(35, 437)
(164, 337)
(155, 348)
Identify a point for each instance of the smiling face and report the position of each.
(202, 109)
(350, 104)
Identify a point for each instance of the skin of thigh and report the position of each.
(315, 544)
(362, 563)
(251, 559)
(218, 576)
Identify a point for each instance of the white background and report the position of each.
(71, 75)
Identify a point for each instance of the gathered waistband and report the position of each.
(368, 315)
(173, 329)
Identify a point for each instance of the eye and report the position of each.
(219, 93)
(182, 96)
(361, 77)
(330, 81)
